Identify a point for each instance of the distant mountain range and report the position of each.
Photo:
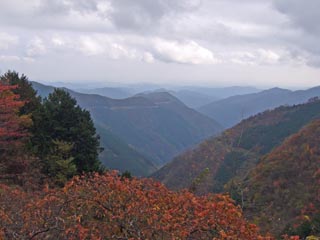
(221, 92)
(149, 128)
(111, 92)
(193, 97)
(232, 110)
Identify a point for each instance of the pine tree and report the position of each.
(59, 163)
(61, 119)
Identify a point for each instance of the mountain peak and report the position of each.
(276, 90)
(160, 97)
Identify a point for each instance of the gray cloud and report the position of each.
(196, 33)
(303, 19)
(146, 15)
(303, 14)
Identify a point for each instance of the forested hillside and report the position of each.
(282, 193)
(268, 163)
(237, 149)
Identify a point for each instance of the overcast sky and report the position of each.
(260, 43)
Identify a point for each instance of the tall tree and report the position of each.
(62, 119)
(13, 131)
(24, 89)
(10, 122)
(32, 102)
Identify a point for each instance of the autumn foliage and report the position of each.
(282, 193)
(111, 207)
(11, 124)
(13, 134)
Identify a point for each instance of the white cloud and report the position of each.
(148, 57)
(258, 57)
(7, 40)
(104, 45)
(90, 47)
(188, 52)
(36, 47)
(9, 58)
(58, 42)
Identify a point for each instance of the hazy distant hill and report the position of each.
(111, 92)
(196, 97)
(193, 99)
(232, 110)
(220, 92)
(157, 125)
(233, 153)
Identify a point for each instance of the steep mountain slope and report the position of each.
(286, 185)
(117, 153)
(157, 125)
(215, 162)
(232, 110)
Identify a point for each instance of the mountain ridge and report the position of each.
(237, 149)
(232, 110)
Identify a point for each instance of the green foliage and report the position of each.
(228, 169)
(24, 90)
(126, 175)
(198, 180)
(59, 163)
(60, 118)
(265, 137)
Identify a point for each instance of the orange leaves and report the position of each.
(12, 126)
(108, 207)
(286, 237)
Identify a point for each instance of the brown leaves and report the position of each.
(108, 207)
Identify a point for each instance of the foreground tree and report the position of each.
(13, 133)
(111, 207)
(59, 163)
(25, 91)
(61, 119)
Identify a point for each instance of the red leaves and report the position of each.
(108, 207)
(11, 124)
